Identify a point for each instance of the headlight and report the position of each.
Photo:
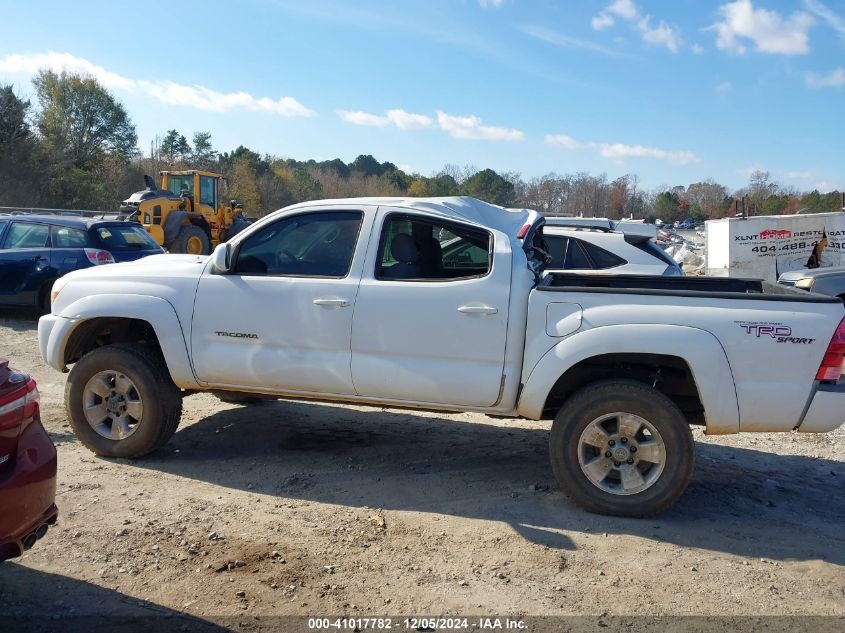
(806, 283)
(58, 285)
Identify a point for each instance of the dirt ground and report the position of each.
(315, 509)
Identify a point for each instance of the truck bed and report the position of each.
(704, 287)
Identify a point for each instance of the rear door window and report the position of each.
(28, 235)
(125, 238)
(67, 237)
(413, 248)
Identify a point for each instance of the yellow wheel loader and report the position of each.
(186, 214)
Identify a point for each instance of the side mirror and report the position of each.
(220, 259)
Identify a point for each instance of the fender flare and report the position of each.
(158, 312)
(701, 350)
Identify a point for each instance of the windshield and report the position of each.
(177, 184)
(125, 237)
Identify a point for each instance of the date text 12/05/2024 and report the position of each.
(415, 623)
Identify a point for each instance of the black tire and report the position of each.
(239, 224)
(238, 397)
(186, 234)
(162, 400)
(603, 398)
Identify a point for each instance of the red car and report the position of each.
(27, 466)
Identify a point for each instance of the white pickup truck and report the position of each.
(442, 304)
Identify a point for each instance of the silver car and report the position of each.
(826, 281)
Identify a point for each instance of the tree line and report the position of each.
(76, 147)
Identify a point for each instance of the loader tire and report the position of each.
(192, 240)
(121, 401)
(621, 448)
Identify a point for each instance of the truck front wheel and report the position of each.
(121, 401)
(622, 448)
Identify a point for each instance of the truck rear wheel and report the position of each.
(622, 448)
(192, 240)
(121, 401)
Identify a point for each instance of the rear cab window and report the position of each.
(124, 237)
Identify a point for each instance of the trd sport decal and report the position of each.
(778, 331)
(237, 334)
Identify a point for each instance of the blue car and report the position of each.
(35, 250)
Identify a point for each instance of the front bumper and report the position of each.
(28, 492)
(826, 411)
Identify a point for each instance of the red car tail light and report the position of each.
(831, 367)
(98, 256)
(19, 406)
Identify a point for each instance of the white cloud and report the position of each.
(768, 30)
(401, 119)
(697, 49)
(357, 117)
(470, 127)
(625, 9)
(58, 62)
(564, 140)
(490, 3)
(661, 35)
(602, 21)
(408, 120)
(834, 79)
(203, 98)
(834, 20)
(724, 88)
(166, 91)
(620, 151)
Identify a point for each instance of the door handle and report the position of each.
(331, 303)
(477, 310)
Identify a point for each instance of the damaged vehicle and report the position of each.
(449, 298)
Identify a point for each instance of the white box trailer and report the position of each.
(764, 246)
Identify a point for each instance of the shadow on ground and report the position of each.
(740, 501)
(27, 595)
(19, 319)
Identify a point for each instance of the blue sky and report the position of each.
(674, 91)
